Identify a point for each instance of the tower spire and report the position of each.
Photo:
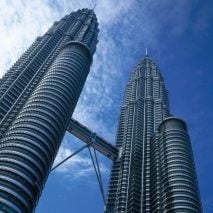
(94, 7)
(146, 53)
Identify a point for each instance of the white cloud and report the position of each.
(23, 21)
(125, 28)
(78, 166)
(20, 24)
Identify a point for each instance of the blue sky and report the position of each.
(178, 35)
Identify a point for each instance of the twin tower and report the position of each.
(154, 169)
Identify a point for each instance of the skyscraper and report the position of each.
(37, 98)
(155, 171)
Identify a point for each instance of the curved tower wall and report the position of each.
(173, 180)
(29, 144)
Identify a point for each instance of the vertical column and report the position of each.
(29, 147)
(149, 129)
(154, 175)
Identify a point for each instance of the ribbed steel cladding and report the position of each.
(141, 93)
(28, 148)
(14, 71)
(30, 145)
(154, 183)
(24, 73)
(179, 189)
(135, 172)
(45, 50)
(17, 68)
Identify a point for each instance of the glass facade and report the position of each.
(37, 98)
(174, 184)
(154, 156)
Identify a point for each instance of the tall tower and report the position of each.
(37, 98)
(155, 171)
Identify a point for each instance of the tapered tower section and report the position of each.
(134, 184)
(38, 97)
(145, 105)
